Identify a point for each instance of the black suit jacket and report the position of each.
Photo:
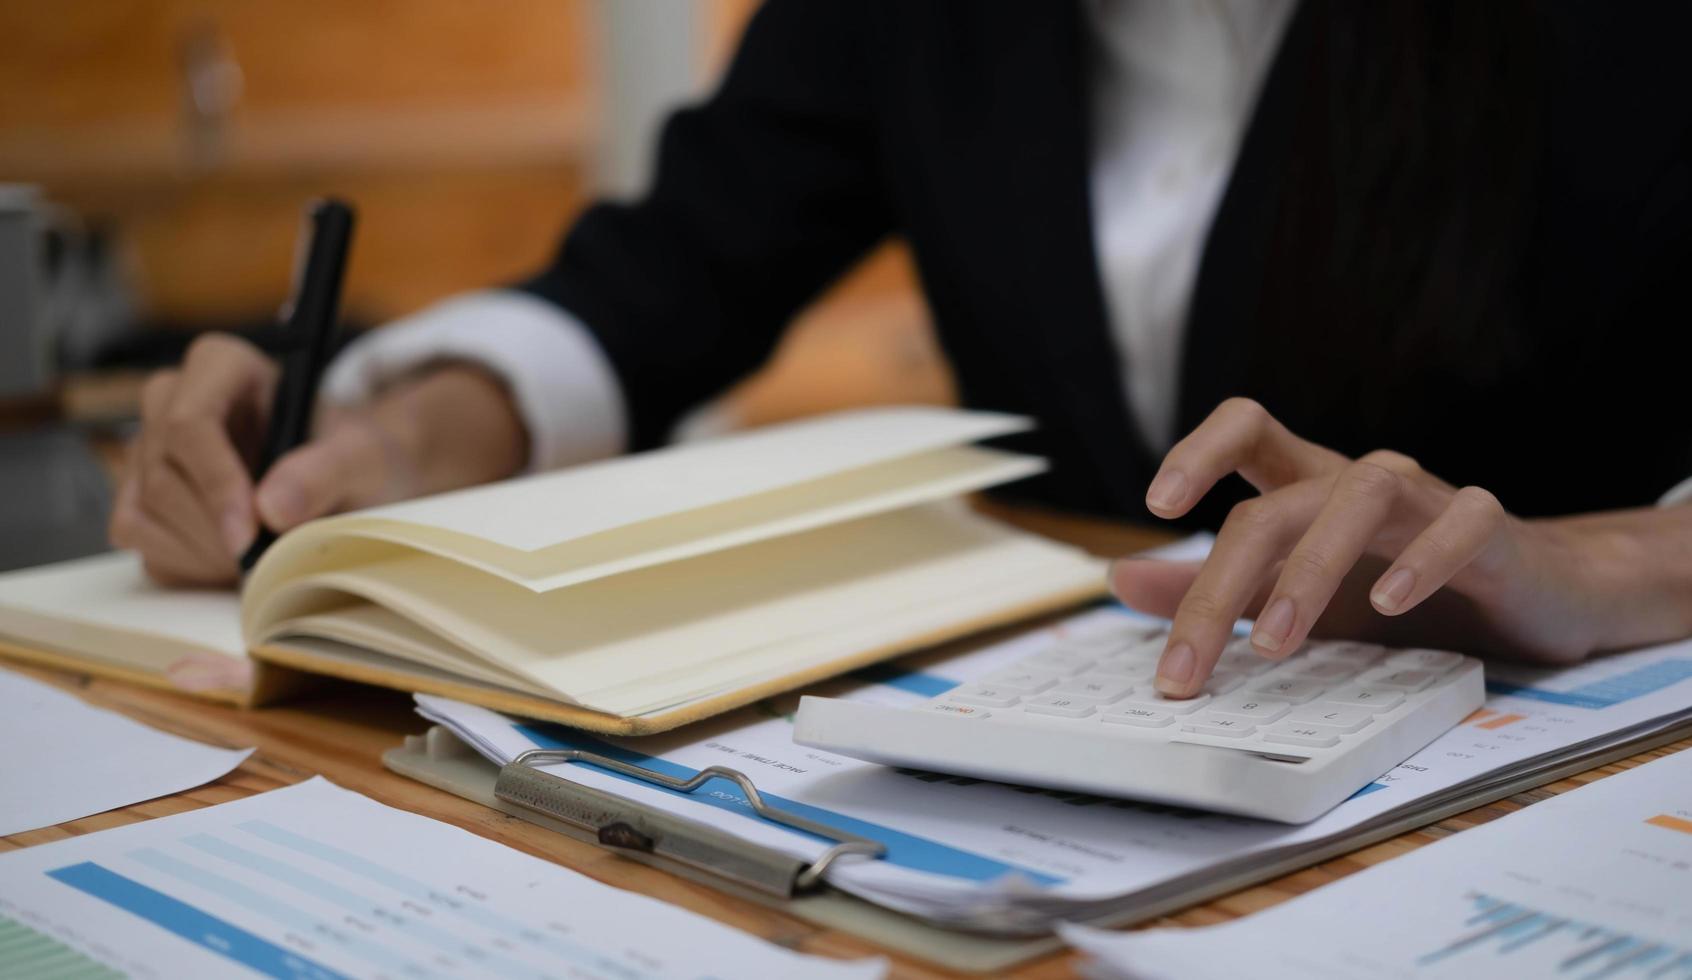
(962, 126)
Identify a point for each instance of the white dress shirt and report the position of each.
(1173, 84)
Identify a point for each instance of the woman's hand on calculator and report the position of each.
(1372, 548)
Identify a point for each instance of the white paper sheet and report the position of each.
(988, 854)
(111, 591)
(1596, 882)
(61, 759)
(567, 504)
(316, 881)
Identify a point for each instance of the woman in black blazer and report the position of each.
(1454, 230)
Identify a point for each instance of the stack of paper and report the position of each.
(314, 881)
(1592, 883)
(990, 857)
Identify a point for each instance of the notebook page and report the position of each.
(844, 496)
(104, 606)
(546, 509)
(633, 642)
(374, 628)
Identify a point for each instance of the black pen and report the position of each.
(308, 333)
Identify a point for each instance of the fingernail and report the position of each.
(1176, 670)
(1168, 491)
(1393, 590)
(237, 531)
(1272, 627)
(281, 504)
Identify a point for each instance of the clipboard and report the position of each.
(698, 851)
(712, 857)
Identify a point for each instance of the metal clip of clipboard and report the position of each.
(630, 826)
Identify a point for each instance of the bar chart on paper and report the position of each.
(1496, 937)
(1594, 686)
(1593, 884)
(316, 883)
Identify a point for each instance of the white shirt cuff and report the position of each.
(564, 387)
(1681, 494)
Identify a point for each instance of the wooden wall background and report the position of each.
(196, 130)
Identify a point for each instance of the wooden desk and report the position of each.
(341, 731)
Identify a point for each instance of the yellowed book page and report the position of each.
(374, 628)
(551, 508)
(635, 642)
(104, 608)
(869, 490)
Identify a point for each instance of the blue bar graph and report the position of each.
(207, 931)
(1503, 932)
(1605, 693)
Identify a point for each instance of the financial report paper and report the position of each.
(1002, 857)
(314, 881)
(61, 759)
(1596, 882)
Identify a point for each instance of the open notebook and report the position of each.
(626, 596)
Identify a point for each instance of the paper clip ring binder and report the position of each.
(521, 784)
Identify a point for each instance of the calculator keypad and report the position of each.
(1316, 699)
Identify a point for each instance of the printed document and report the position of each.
(1010, 858)
(1596, 882)
(314, 881)
(61, 759)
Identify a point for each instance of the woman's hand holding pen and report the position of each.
(188, 503)
(1377, 548)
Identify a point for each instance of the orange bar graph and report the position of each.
(1671, 822)
(1500, 721)
(1478, 714)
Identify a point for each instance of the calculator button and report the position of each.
(985, 695)
(1330, 716)
(1024, 682)
(1248, 708)
(1098, 691)
(1294, 733)
(1358, 654)
(1402, 680)
(1149, 698)
(1223, 726)
(1059, 662)
(1150, 648)
(1247, 662)
(1375, 699)
(1436, 660)
(1124, 670)
(1092, 646)
(1223, 681)
(1295, 689)
(1057, 704)
(1323, 670)
(958, 710)
(1138, 717)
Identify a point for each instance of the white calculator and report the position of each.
(1282, 740)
